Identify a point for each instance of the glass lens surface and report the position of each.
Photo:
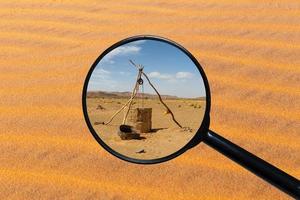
(145, 99)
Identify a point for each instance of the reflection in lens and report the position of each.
(146, 99)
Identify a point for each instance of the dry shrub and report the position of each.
(99, 107)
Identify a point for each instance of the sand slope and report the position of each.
(250, 52)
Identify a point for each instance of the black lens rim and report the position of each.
(200, 132)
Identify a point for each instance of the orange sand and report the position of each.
(249, 50)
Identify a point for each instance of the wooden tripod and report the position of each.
(134, 93)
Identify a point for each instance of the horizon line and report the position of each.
(145, 93)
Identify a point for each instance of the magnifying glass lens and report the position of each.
(145, 99)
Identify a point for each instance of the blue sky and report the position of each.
(169, 69)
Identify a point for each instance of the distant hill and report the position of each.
(200, 98)
(102, 94)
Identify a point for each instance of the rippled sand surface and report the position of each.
(250, 51)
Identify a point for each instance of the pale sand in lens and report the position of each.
(164, 139)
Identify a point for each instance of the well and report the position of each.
(140, 119)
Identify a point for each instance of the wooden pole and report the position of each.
(160, 99)
(134, 92)
(106, 123)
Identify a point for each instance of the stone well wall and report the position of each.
(140, 119)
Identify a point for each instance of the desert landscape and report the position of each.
(249, 51)
(165, 136)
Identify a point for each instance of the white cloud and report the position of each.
(138, 42)
(100, 73)
(101, 80)
(160, 76)
(124, 73)
(103, 71)
(183, 75)
(122, 50)
(171, 77)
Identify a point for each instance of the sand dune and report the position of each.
(250, 52)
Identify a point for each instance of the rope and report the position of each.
(142, 95)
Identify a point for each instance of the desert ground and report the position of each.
(248, 49)
(165, 137)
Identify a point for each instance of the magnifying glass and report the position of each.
(146, 100)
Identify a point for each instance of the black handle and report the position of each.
(261, 168)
